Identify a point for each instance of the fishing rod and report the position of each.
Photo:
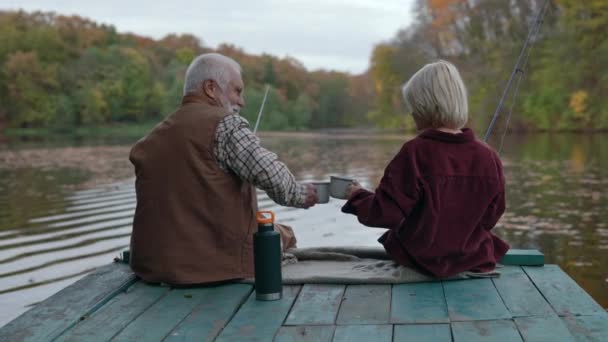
(257, 122)
(518, 70)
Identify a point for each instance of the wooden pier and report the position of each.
(526, 303)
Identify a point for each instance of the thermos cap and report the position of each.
(265, 219)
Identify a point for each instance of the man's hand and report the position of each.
(352, 187)
(311, 196)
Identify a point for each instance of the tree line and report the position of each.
(564, 80)
(62, 72)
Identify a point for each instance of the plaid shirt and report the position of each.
(237, 150)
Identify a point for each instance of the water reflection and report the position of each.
(557, 195)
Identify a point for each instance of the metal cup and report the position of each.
(338, 186)
(322, 191)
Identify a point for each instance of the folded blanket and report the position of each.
(353, 265)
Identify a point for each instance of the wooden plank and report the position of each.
(115, 315)
(474, 299)
(548, 328)
(316, 304)
(158, 320)
(216, 308)
(519, 293)
(487, 331)
(562, 292)
(365, 304)
(363, 333)
(523, 257)
(304, 333)
(259, 320)
(424, 332)
(53, 316)
(588, 328)
(418, 303)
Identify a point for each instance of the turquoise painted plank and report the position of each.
(419, 303)
(363, 333)
(316, 304)
(116, 314)
(216, 308)
(549, 328)
(523, 257)
(259, 320)
(53, 316)
(519, 293)
(305, 333)
(423, 332)
(562, 292)
(365, 304)
(487, 331)
(588, 328)
(158, 320)
(474, 299)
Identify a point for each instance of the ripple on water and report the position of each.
(580, 264)
(514, 226)
(528, 219)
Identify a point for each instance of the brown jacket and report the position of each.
(193, 222)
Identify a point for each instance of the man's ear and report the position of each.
(209, 88)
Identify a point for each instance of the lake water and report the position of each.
(52, 235)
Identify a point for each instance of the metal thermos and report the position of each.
(267, 258)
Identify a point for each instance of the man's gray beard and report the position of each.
(232, 109)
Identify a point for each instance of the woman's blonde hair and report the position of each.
(437, 97)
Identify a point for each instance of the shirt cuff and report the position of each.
(350, 207)
(301, 194)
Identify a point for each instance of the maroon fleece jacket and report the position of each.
(440, 197)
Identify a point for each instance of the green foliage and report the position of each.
(279, 113)
(184, 55)
(332, 104)
(30, 91)
(301, 112)
(94, 109)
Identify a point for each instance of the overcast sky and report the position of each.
(329, 34)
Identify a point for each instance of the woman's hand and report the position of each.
(352, 187)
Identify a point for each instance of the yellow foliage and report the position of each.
(578, 103)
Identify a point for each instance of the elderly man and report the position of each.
(195, 178)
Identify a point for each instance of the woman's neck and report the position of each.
(449, 130)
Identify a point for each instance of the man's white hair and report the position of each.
(437, 97)
(210, 66)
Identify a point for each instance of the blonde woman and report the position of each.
(444, 191)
